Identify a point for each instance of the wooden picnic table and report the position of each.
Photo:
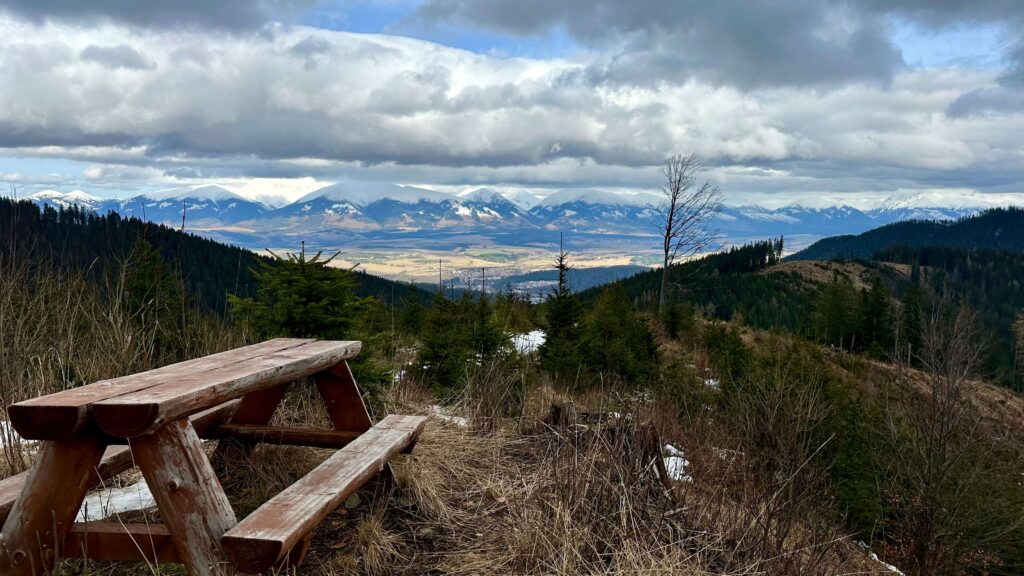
(157, 420)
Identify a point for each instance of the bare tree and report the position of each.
(687, 210)
(941, 473)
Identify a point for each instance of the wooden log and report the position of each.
(115, 541)
(63, 415)
(286, 435)
(192, 503)
(143, 411)
(256, 408)
(345, 406)
(263, 540)
(116, 459)
(45, 510)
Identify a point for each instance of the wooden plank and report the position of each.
(288, 435)
(116, 459)
(63, 415)
(115, 541)
(345, 406)
(256, 408)
(143, 411)
(46, 508)
(264, 539)
(192, 503)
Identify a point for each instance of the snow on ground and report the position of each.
(676, 463)
(442, 414)
(110, 501)
(875, 557)
(527, 343)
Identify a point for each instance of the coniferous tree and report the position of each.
(875, 330)
(303, 298)
(559, 354)
(911, 323)
(616, 341)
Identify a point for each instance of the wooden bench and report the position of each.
(162, 415)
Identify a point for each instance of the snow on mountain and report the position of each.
(590, 196)
(368, 208)
(365, 193)
(522, 199)
(210, 192)
(57, 199)
(956, 200)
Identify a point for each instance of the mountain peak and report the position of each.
(364, 193)
(208, 192)
(591, 196)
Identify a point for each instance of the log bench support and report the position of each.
(162, 415)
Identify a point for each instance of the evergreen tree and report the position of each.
(444, 345)
(911, 323)
(616, 341)
(559, 354)
(303, 298)
(835, 319)
(875, 333)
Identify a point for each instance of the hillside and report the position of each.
(84, 240)
(996, 229)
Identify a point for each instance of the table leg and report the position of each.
(340, 393)
(256, 408)
(190, 498)
(47, 505)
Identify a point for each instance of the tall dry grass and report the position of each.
(60, 329)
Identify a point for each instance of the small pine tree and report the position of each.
(559, 354)
(301, 297)
(616, 341)
(911, 323)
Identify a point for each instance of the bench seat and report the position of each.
(264, 539)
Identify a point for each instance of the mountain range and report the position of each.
(383, 212)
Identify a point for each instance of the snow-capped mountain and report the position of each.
(57, 199)
(598, 211)
(373, 209)
(203, 206)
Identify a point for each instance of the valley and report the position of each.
(402, 232)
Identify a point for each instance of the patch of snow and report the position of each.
(529, 342)
(442, 414)
(875, 557)
(110, 501)
(676, 464)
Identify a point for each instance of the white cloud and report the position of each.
(283, 103)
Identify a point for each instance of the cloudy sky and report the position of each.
(781, 98)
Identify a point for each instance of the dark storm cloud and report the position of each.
(232, 14)
(121, 56)
(732, 42)
(735, 42)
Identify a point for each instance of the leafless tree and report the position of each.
(941, 471)
(686, 214)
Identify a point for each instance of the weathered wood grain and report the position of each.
(116, 459)
(287, 435)
(191, 500)
(344, 403)
(143, 411)
(63, 415)
(115, 541)
(256, 408)
(45, 509)
(263, 540)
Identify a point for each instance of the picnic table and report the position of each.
(157, 420)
